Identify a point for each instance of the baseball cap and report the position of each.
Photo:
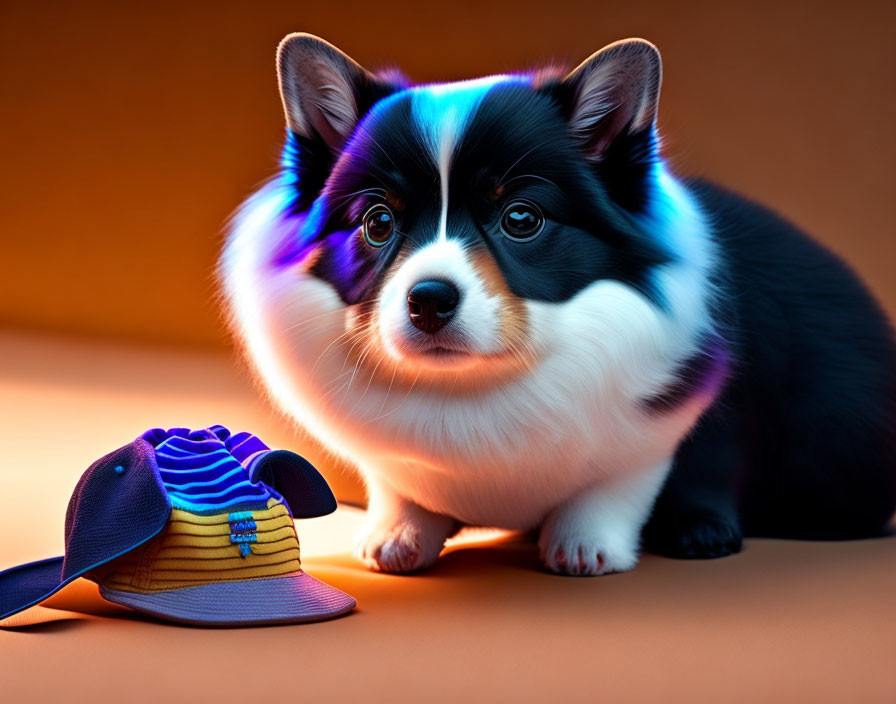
(192, 526)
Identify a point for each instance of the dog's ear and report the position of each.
(324, 91)
(613, 93)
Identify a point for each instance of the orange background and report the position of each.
(130, 131)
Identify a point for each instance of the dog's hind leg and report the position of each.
(696, 514)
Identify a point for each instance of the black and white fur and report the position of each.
(665, 361)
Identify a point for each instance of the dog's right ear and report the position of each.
(324, 91)
(614, 92)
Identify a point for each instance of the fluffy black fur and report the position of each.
(801, 443)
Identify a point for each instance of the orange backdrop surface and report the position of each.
(129, 131)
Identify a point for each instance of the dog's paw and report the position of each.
(584, 555)
(694, 535)
(400, 548)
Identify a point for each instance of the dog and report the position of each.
(496, 300)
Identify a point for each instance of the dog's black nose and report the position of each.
(431, 304)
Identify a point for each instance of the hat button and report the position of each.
(119, 469)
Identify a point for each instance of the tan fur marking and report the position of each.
(394, 202)
(309, 260)
(514, 321)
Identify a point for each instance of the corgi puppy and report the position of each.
(496, 299)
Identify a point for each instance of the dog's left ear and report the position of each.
(324, 91)
(613, 93)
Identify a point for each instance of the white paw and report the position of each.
(396, 548)
(584, 555)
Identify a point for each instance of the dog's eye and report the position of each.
(522, 221)
(378, 225)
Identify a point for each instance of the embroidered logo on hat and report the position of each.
(191, 526)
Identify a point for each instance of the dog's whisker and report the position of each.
(514, 164)
(346, 335)
(343, 197)
(370, 378)
(389, 390)
(532, 176)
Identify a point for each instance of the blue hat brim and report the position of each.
(118, 504)
(27, 585)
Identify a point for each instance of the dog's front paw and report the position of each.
(584, 555)
(407, 540)
(580, 539)
(394, 548)
(598, 531)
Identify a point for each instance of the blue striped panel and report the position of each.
(205, 474)
(244, 445)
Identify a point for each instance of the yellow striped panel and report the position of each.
(195, 549)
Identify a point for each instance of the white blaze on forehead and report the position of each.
(442, 113)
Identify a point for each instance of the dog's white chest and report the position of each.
(492, 466)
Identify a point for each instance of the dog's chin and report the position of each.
(437, 357)
(450, 359)
(444, 357)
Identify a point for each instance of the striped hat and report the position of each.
(191, 526)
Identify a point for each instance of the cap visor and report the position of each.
(294, 598)
(27, 585)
